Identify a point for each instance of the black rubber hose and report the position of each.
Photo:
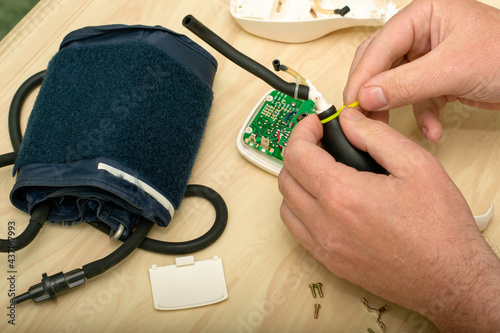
(244, 61)
(100, 266)
(51, 286)
(40, 213)
(7, 159)
(221, 217)
(16, 106)
(37, 220)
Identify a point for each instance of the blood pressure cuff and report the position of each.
(116, 126)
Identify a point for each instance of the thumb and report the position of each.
(410, 83)
(393, 151)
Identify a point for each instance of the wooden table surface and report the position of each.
(267, 270)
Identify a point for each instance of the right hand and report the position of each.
(408, 237)
(430, 53)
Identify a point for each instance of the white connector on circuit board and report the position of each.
(317, 98)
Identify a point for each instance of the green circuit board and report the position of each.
(272, 125)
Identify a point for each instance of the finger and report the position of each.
(381, 141)
(305, 160)
(480, 105)
(406, 35)
(379, 116)
(301, 233)
(360, 51)
(303, 218)
(427, 117)
(294, 193)
(295, 226)
(308, 129)
(350, 94)
(295, 207)
(411, 83)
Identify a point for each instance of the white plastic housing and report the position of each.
(257, 157)
(297, 21)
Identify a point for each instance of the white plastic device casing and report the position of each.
(188, 284)
(297, 21)
(257, 157)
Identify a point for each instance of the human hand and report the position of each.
(430, 53)
(409, 237)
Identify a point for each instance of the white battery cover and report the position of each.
(188, 284)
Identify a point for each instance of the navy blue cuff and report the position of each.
(97, 189)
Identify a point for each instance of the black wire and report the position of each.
(100, 266)
(221, 217)
(244, 61)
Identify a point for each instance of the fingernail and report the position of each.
(424, 132)
(374, 98)
(351, 114)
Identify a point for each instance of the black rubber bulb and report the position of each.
(335, 142)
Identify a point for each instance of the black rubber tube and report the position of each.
(52, 286)
(40, 213)
(16, 106)
(100, 266)
(7, 159)
(244, 61)
(37, 220)
(221, 217)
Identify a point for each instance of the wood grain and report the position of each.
(267, 270)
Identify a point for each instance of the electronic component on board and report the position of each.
(267, 130)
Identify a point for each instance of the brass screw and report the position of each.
(312, 289)
(318, 285)
(316, 310)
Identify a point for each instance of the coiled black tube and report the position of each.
(40, 213)
(221, 217)
(100, 266)
(16, 105)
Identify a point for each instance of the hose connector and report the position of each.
(318, 99)
(51, 286)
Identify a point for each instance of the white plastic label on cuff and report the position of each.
(188, 284)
